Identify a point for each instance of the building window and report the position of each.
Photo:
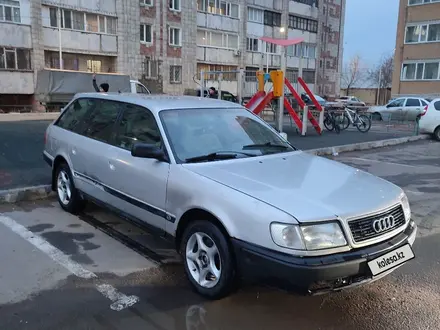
(252, 45)
(218, 7)
(146, 2)
(421, 2)
(175, 5)
(175, 74)
(255, 15)
(217, 39)
(10, 11)
(301, 23)
(94, 66)
(418, 33)
(75, 20)
(308, 2)
(272, 18)
(421, 71)
(305, 50)
(212, 71)
(146, 33)
(149, 67)
(271, 48)
(175, 37)
(309, 76)
(15, 59)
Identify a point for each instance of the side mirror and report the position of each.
(143, 150)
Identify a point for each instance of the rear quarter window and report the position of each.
(73, 118)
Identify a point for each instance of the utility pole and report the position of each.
(379, 86)
(59, 38)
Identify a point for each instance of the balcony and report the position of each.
(16, 82)
(80, 41)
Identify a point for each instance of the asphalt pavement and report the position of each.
(22, 142)
(61, 272)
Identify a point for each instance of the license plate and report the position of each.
(391, 259)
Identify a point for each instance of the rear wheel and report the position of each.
(208, 259)
(68, 195)
(342, 121)
(437, 133)
(363, 123)
(329, 123)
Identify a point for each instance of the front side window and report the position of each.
(102, 119)
(197, 132)
(137, 125)
(73, 117)
(396, 103)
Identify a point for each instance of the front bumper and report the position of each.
(314, 275)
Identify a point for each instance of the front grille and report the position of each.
(362, 229)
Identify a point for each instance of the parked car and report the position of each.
(236, 198)
(350, 101)
(402, 108)
(225, 95)
(430, 119)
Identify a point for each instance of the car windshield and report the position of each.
(201, 134)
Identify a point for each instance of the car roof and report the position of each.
(156, 103)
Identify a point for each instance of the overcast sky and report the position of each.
(370, 29)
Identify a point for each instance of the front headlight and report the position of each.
(308, 237)
(406, 207)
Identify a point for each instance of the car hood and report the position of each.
(310, 188)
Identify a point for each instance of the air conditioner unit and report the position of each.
(237, 52)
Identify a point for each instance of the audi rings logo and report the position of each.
(384, 224)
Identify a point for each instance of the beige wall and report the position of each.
(408, 14)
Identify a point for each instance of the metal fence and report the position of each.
(15, 108)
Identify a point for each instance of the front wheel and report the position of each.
(208, 260)
(363, 123)
(342, 121)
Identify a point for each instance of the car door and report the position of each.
(412, 109)
(71, 142)
(393, 110)
(97, 133)
(139, 184)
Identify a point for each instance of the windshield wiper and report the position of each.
(265, 145)
(220, 155)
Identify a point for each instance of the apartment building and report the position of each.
(166, 44)
(417, 54)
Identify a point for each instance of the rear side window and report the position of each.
(73, 118)
(412, 103)
(424, 103)
(137, 124)
(437, 105)
(101, 122)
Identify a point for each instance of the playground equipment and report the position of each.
(261, 99)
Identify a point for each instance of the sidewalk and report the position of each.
(8, 117)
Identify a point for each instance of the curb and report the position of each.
(25, 194)
(366, 145)
(8, 117)
(45, 191)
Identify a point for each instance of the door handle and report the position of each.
(112, 167)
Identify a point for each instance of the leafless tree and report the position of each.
(382, 75)
(352, 73)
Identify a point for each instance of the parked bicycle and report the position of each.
(330, 122)
(351, 117)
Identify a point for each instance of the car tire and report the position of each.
(437, 133)
(377, 116)
(65, 187)
(214, 257)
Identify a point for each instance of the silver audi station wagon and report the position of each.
(235, 196)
